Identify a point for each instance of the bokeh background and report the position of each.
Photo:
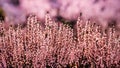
(104, 11)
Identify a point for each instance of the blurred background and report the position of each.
(104, 11)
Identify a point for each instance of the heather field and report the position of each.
(57, 45)
(59, 34)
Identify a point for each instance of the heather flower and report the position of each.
(55, 45)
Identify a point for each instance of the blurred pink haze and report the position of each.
(101, 10)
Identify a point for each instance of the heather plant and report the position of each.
(57, 45)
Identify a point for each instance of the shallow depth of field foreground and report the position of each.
(58, 46)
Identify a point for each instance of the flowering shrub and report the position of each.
(56, 45)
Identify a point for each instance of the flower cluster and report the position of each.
(58, 46)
